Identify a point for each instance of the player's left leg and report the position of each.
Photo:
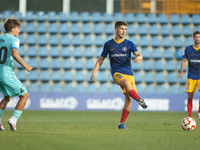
(189, 103)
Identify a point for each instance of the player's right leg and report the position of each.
(189, 103)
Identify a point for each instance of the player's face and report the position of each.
(15, 31)
(197, 39)
(121, 31)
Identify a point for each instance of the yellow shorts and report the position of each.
(190, 86)
(117, 77)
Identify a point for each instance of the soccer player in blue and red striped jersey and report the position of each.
(119, 50)
(192, 53)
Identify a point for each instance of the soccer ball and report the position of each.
(188, 123)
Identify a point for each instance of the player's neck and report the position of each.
(118, 39)
(197, 46)
(10, 33)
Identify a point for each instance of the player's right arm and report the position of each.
(18, 58)
(96, 67)
(182, 67)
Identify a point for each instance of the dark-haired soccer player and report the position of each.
(119, 50)
(192, 53)
(10, 85)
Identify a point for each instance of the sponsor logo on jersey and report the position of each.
(195, 60)
(118, 55)
(124, 48)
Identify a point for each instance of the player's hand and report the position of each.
(137, 59)
(181, 75)
(29, 68)
(92, 77)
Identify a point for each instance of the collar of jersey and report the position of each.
(196, 48)
(119, 41)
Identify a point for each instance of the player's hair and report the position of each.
(10, 23)
(119, 23)
(196, 32)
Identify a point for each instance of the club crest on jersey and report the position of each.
(124, 48)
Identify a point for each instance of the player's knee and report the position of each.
(26, 96)
(7, 98)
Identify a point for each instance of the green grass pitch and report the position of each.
(97, 130)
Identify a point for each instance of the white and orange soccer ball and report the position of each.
(188, 123)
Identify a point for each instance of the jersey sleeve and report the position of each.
(133, 47)
(15, 44)
(185, 54)
(105, 50)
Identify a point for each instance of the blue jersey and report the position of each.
(193, 55)
(120, 55)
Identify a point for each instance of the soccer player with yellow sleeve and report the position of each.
(119, 50)
(192, 53)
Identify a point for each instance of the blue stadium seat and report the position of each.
(42, 51)
(170, 65)
(109, 29)
(98, 41)
(118, 16)
(150, 89)
(33, 87)
(53, 40)
(144, 42)
(88, 74)
(45, 87)
(63, 28)
(196, 19)
(88, 52)
(187, 31)
(177, 42)
(21, 39)
(178, 65)
(136, 67)
(44, 63)
(51, 16)
(158, 65)
(77, 52)
(98, 52)
(162, 18)
(168, 54)
(21, 75)
(152, 18)
(196, 28)
(138, 77)
(185, 19)
(6, 14)
(161, 89)
(56, 76)
(86, 29)
(21, 28)
(74, 17)
(76, 40)
(147, 65)
(96, 17)
(174, 19)
(188, 41)
(30, 28)
(80, 88)
(173, 89)
(33, 62)
(62, 17)
(182, 89)
(68, 76)
(66, 64)
(148, 77)
(182, 81)
(107, 18)
(87, 40)
(140, 88)
(166, 42)
(178, 54)
(21, 51)
(55, 63)
(89, 64)
(75, 29)
(172, 78)
(64, 40)
(164, 30)
(29, 16)
(102, 76)
(131, 30)
(79, 76)
(68, 88)
(54, 52)
(52, 28)
(91, 88)
(41, 28)
(31, 40)
(146, 53)
(85, 17)
(40, 16)
(65, 52)
(142, 29)
(44, 76)
(115, 89)
(157, 54)
(176, 31)
(33, 75)
(103, 88)
(56, 87)
(109, 37)
(153, 30)
(160, 78)
(141, 18)
(155, 42)
(130, 18)
(32, 52)
(97, 29)
(78, 64)
(103, 66)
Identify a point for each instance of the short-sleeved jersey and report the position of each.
(120, 55)
(193, 55)
(7, 43)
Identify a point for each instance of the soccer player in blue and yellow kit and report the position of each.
(10, 85)
(119, 50)
(192, 53)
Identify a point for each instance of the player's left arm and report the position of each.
(138, 57)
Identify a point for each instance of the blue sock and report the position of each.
(1, 113)
(17, 114)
